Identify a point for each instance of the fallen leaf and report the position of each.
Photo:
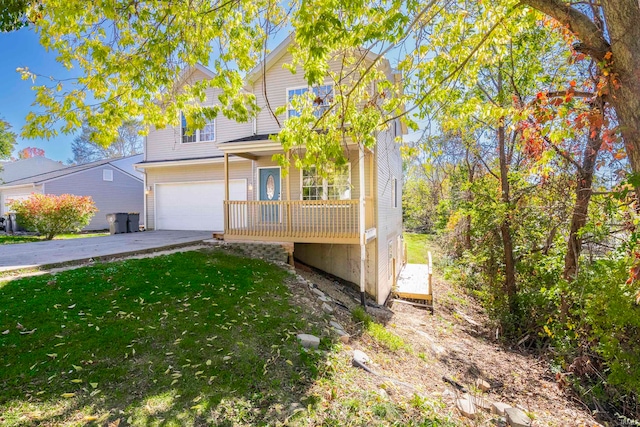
(52, 355)
(72, 306)
(77, 381)
(209, 362)
(93, 385)
(5, 332)
(68, 395)
(90, 418)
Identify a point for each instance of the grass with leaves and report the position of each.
(188, 338)
(10, 239)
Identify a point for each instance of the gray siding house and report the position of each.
(113, 184)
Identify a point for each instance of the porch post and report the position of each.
(226, 192)
(363, 249)
(288, 172)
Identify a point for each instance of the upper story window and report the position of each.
(337, 185)
(206, 134)
(323, 97)
(107, 174)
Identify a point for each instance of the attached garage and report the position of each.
(194, 205)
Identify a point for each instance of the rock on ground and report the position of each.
(466, 407)
(308, 341)
(517, 418)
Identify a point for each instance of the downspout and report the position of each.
(363, 249)
(146, 195)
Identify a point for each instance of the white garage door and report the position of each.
(195, 205)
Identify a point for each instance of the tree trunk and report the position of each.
(505, 225)
(623, 23)
(581, 207)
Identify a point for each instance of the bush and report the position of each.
(50, 215)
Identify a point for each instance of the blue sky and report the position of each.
(20, 49)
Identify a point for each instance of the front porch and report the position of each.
(300, 221)
(290, 207)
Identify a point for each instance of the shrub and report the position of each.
(50, 215)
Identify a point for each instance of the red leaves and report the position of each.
(30, 152)
(50, 214)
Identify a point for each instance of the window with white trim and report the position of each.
(336, 186)
(323, 98)
(206, 134)
(107, 174)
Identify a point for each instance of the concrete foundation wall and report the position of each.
(342, 261)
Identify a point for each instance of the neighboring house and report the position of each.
(223, 179)
(111, 183)
(12, 171)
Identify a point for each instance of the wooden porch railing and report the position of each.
(296, 220)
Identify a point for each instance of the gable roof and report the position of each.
(48, 176)
(188, 72)
(18, 169)
(276, 54)
(270, 59)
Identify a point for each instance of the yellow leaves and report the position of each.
(68, 395)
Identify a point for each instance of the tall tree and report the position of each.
(7, 139)
(128, 142)
(13, 14)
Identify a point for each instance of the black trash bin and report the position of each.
(133, 224)
(117, 222)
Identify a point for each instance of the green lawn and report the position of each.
(9, 239)
(418, 246)
(202, 338)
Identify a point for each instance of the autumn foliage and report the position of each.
(30, 152)
(50, 215)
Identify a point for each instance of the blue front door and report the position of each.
(270, 191)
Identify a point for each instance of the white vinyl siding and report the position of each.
(166, 143)
(389, 218)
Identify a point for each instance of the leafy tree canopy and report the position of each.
(130, 55)
(128, 143)
(7, 139)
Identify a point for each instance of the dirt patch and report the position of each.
(453, 343)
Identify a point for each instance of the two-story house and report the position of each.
(223, 178)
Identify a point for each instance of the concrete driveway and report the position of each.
(37, 254)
